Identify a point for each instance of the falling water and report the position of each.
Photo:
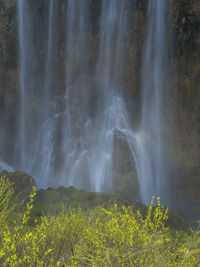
(45, 136)
(88, 140)
(5, 166)
(23, 35)
(49, 70)
(75, 144)
(73, 166)
(112, 115)
(36, 128)
(153, 86)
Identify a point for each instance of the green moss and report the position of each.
(53, 200)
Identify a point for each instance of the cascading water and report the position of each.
(88, 141)
(71, 171)
(5, 166)
(44, 141)
(112, 117)
(74, 143)
(49, 68)
(24, 49)
(36, 128)
(150, 138)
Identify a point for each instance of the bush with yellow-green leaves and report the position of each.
(115, 236)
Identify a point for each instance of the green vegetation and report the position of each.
(102, 236)
(52, 200)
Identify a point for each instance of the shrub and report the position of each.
(8, 203)
(115, 236)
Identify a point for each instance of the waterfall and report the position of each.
(23, 35)
(112, 117)
(37, 124)
(49, 72)
(72, 135)
(45, 136)
(150, 139)
(88, 140)
(74, 153)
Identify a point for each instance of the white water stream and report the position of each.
(75, 146)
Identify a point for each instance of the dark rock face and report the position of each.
(183, 98)
(8, 72)
(185, 190)
(185, 107)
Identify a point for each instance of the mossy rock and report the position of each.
(54, 200)
(23, 183)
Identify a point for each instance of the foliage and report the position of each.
(8, 203)
(114, 236)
